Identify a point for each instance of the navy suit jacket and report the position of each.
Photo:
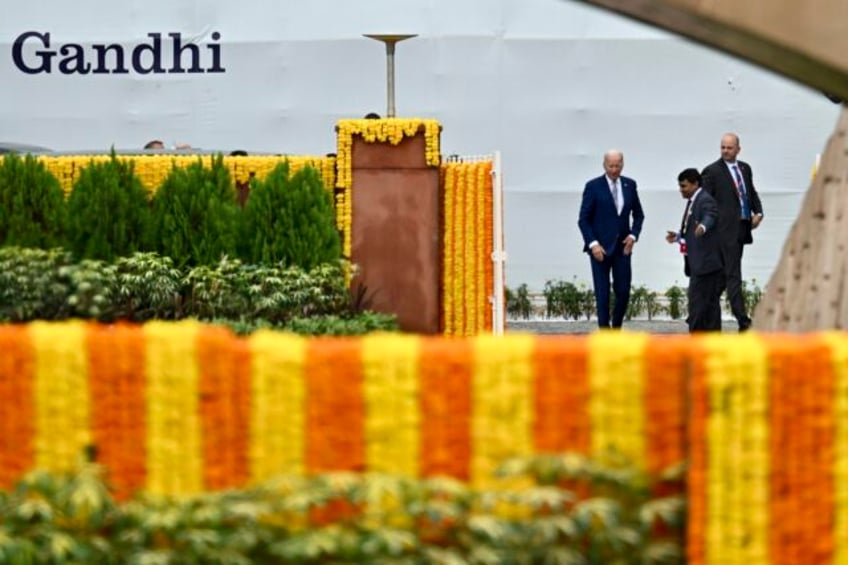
(704, 252)
(600, 221)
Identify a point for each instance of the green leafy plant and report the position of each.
(108, 211)
(518, 303)
(195, 215)
(569, 510)
(289, 219)
(563, 299)
(32, 284)
(752, 293)
(677, 307)
(32, 204)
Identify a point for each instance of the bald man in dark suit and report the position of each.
(731, 183)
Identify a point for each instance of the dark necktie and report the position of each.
(684, 223)
(740, 191)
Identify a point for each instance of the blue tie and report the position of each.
(741, 192)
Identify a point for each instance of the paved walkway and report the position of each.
(661, 326)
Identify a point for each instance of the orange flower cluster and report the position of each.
(467, 269)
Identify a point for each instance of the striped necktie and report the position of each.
(741, 192)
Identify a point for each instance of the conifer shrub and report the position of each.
(195, 215)
(289, 219)
(32, 204)
(108, 212)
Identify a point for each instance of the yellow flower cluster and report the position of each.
(502, 410)
(392, 428)
(389, 130)
(466, 273)
(62, 406)
(174, 451)
(153, 169)
(738, 447)
(277, 419)
(616, 405)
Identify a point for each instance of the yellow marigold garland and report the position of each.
(738, 447)
(389, 130)
(278, 392)
(616, 406)
(62, 400)
(174, 450)
(449, 250)
(153, 169)
(502, 405)
(392, 409)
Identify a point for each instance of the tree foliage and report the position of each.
(108, 211)
(195, 215)
(32, 204)
(289, 219)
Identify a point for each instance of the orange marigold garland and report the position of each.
(224, 366)
(488, 246)
(117, 383)
(561, 395)
(335, 411)
(17, 425)
(696, 476)
(446, 371)
(801, 438)
(666, 361)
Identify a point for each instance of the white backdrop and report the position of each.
(550, 83)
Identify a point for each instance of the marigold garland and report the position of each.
(17, 383)
(335, 406)
(738, 440)
(388, 130)
(224, 366)
(446, 374)
(801, 498)
(278, 403)
(666, 364)
(62, 407)
(468, 272)
(616, 406)
(561, 395)
(153, 169)
(393, 415)
(838, 343)
(501, 421)
(488, 246)
(697, 474)
(117, 383)
(174, 450)
(449, 249)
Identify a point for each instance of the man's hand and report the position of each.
(598, 253)
(628, 245)
(700, 230)
(670, 236)
(755, 220)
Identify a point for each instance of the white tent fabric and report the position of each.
(551, 84)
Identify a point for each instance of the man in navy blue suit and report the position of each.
(609, 202)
